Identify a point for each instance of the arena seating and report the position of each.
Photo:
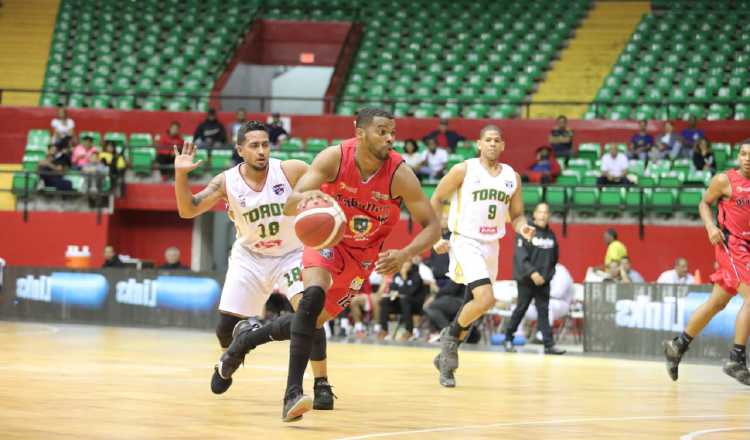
(469, 59)
(689, 59)
(116, 54)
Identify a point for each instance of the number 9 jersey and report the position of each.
(479, 207)
(258, 215)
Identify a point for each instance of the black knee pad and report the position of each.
(224, 328)
(281, 328)
(318, 352)
(309, 308)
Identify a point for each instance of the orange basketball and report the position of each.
(320, 224)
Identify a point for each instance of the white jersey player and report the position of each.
(267, 252)
(483, 193)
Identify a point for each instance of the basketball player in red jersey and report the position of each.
(369, 181)
(731, 240)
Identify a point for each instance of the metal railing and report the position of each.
(196, 101)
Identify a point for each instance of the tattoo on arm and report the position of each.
(213, 187)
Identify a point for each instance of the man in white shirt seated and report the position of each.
(434, 161)
(678, 275)
(63, 128)
(614, 168)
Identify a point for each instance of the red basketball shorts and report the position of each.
(734, 264)
(349, 268)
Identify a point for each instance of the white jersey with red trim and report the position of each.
(258, 215)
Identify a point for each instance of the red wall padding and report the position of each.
(584, 247)
(522, 136)
(146, 234)
(43, 240)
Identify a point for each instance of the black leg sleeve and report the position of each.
(303, 328)
(525, 295)
(541, 299)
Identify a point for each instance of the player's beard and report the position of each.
(259, 167)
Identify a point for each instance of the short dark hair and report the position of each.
(366, 115)
(487, 128)
(87, 138)
(612, 233)
(249, 126)
(563, 117)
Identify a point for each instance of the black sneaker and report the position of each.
(673, 351)
(508, 345)
(323, 396)
(554, 350)
(738, 370)
(295, 405)
(218, 384)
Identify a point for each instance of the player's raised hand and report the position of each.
(715, 236)
(183, 160)
(527, 231)
(309, 196)
(441, 246)
(390, 261)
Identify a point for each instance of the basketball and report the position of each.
(320, 224)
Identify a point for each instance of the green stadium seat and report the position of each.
(532, 195)
(611, 199)
(24, 183)
(138, 140)
(688, 200)
(281, 155)
(316, 145)
(291, 144)
(118, 138)
(585, 200)
(142, 160)
(557, 198)
(304, 156)
(663, 201)
(589, 151)
(39, 138)
(220, 160)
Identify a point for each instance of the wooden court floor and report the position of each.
(88, 382)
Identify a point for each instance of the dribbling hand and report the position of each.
(183, 160)
(441, 246)
(311, 195)
(715, 236)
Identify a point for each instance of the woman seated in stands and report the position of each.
(703, 157)
(545, 168)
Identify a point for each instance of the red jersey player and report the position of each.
(731, 240)
(369, 181)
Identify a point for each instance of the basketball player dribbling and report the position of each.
(267, 252)
(369, 181)
(731, 240)
(482, 192)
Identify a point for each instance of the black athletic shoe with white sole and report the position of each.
(231, 359)
(673, 351)
(324, 396)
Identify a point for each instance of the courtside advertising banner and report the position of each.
(111, 296)
(634, 319)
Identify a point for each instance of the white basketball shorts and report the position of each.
(251, 278)
(472, 260)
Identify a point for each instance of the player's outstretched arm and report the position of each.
(517, 216)
(294, 169)
(324, 169)
(718, 187)
(189, 205)
(405, 185)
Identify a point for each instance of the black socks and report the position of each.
(737, 354)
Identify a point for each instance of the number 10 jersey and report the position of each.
(258, 215)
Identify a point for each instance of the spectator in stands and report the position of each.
(616, 250)
(172, 260)
(63, 128)
(111, 259)
(613, 273)
(545, 168)
(433, 162)
(114, 161)
(641, 143)
(367, 300)
(678, 275)
(671, 144)
(210, 133)
(165, 149)
(276, 131)
(692, 134)
(561, 138)
(703, 157)
(443, 137)
(406, 295)
(412, 157)
(85, 153)
(233, 128)
(614, 168)
(628, 274)
(52, 168)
